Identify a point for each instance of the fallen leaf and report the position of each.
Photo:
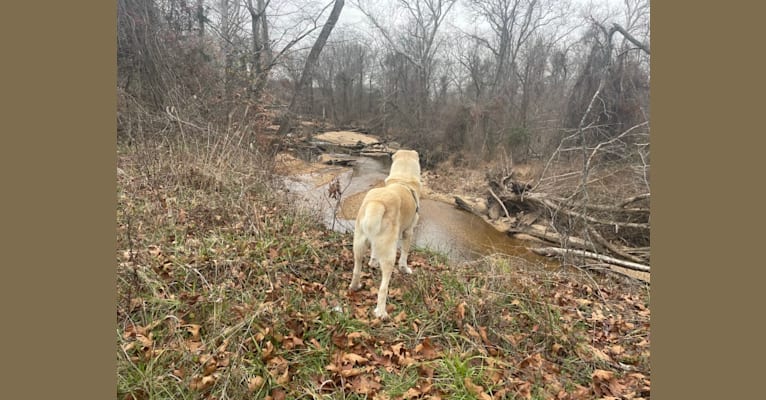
(411, 393)
(365, 385)
(400, 317)
(477, 390)
(278, 394)
(255, 383)
(201, 383)
(284, 379)
(533, 361)
(194, 330)
(524, 390)
(589, 353)
(605, 384)
(472, 332)
(426, 349)
(354, 358)
(461, 311)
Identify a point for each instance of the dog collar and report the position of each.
(414, 197)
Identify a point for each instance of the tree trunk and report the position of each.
(308, 69)
(261, 59)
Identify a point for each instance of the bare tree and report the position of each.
(311, 61)
(417, 43)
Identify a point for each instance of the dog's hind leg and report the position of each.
(386, 260)
(360, 246)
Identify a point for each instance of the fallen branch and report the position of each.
(593, 219)
(635, 199)
(609, 246)
(541, 232)
(554, 251)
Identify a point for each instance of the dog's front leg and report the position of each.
(406, 241)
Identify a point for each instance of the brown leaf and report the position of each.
(365, 385)
(268, 350)
(278, 394)
(483, 334)
(340, 340)
(477, 390)
(209, 365)
(381, 396)
(400, 317)
(255, 383)
(349, 372)
(397, 349)
(201, 383)
(472, 332)
(146, 342)
(354, 358)
(284, 379)
(194, 330)
(426, 349)
(524, 390)
(605, 384)
(500, 394)
(589, 353)
(154, 250)
(411, 393)
(461, 312)
(533, 361)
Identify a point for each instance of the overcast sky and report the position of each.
(352, 18)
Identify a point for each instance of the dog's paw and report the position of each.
(354, 288)
(405, 269)
(383, 315)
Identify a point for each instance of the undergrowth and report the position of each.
(226, 291)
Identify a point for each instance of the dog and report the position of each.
(388, 215)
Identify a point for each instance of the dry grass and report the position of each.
(227, 291)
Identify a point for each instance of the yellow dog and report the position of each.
(387, 215)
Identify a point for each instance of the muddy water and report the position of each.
(442, 227)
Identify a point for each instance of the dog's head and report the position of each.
(405, 168)
(408, 159)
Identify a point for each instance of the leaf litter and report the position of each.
(252, 301)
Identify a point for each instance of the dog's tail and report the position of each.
(373, 218)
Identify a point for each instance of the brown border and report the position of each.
(58, 158)
(705, 101)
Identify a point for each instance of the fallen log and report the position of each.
(463, 205)
(555, 251)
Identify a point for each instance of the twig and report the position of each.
(501, 203)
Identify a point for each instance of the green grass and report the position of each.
(224, 290)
